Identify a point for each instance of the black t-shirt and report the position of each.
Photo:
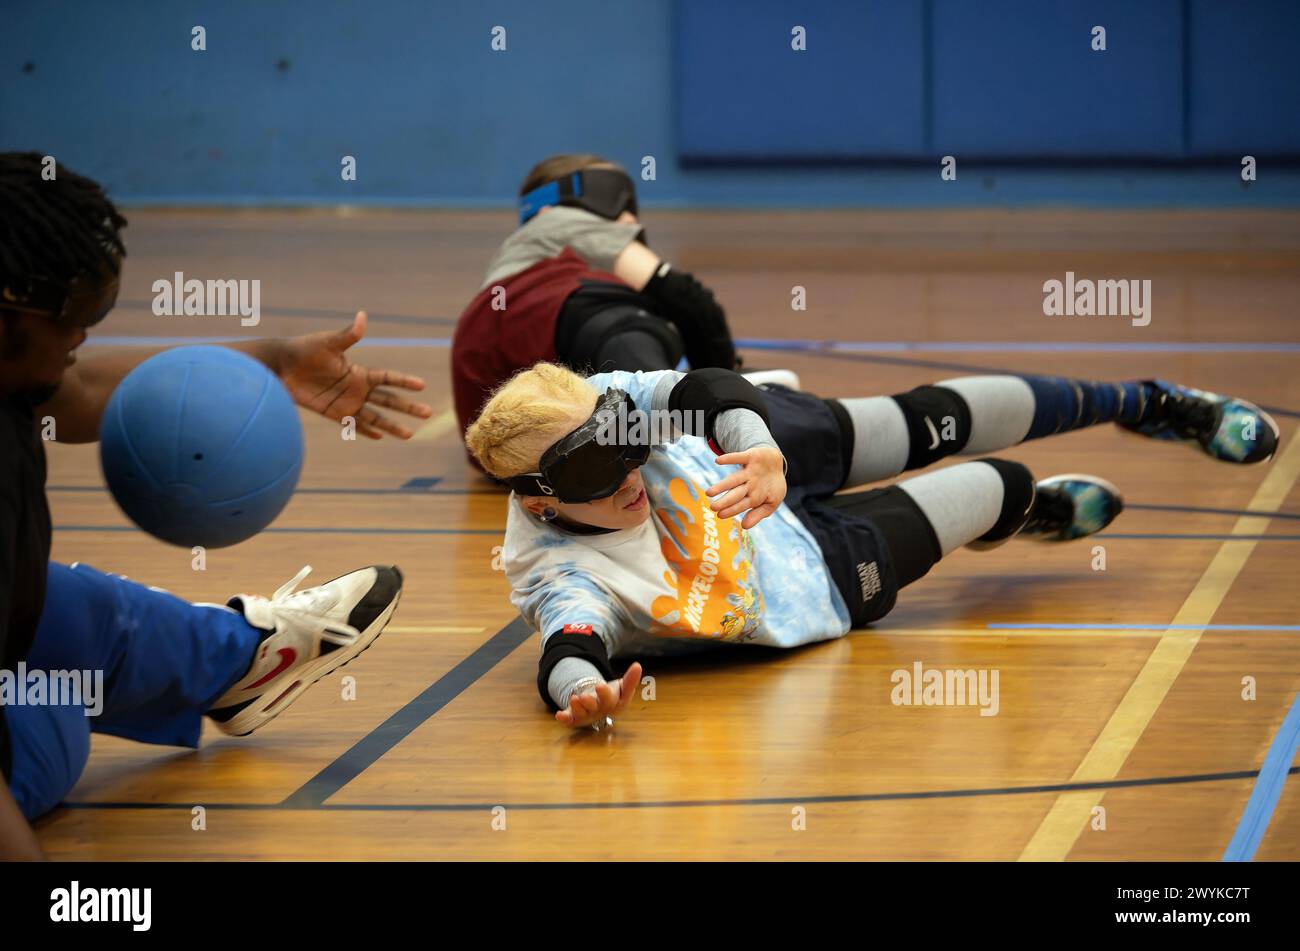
(24, 541)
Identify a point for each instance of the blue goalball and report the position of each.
(201, 446)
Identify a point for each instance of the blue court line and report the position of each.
(690, 803)
(819, 346)
(1268, 789)
(843, 350)
(315, 313)
(405, 721)
(1139, 627)
(142, 341)
(1018, 346)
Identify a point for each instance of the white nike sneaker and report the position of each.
(309, 634)
(786, 378)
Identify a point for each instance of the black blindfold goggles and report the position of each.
(602, 191)
(592, 461)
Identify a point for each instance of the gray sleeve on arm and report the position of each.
(569, 674)
(661, 398)
(739, 429)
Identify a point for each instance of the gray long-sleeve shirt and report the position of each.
(597, 240)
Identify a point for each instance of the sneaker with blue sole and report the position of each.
(1224, 428)
(1073, 506)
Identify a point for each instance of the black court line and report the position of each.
(1188, 536)
(944, 365)
(1196, 510)
(291, 804)
(500, 493)
(405, 721)
(332, 530)
(344, 490)
(310, 530)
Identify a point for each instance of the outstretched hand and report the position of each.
(758, 487)
(604, 700)
(318, 374)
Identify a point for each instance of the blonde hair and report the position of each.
(526, 415)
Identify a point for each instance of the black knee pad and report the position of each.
(599, 310)
(1017, 499)
(938, 423)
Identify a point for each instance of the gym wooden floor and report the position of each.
(1148, 724)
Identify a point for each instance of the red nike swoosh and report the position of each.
(287, 656)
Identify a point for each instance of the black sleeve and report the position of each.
(561, 645)
(698, 316)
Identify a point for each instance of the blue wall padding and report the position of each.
(413, 90)
(1245, 88)
(1016, 79)
(856, 90)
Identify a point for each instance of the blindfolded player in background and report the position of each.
(576, 284)
(620, 546)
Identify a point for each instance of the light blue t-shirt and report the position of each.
(682, 579)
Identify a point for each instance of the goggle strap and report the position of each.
(531, 483)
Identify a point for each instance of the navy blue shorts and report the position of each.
(873, 542)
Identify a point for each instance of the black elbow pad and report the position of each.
(713, 391)
(569, 643)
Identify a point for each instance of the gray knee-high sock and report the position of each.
(1001, 411)
(880, 439)
(986, 500)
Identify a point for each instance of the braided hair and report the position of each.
(57, 229)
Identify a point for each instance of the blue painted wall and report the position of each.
(434, 116)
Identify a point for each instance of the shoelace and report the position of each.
(1052, 511)
(1189, 416)
(305, 606)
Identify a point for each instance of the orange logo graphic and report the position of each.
(710, 566)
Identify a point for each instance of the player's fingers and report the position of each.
(756, 515)
(401, 404)
(378, 376)
(346, 338)
(738, 477)
(368, 431)
(582, 717)
(372, 420)
(733, 458)
(731, 498)
(735, 508)
(585, 703)
(631, 680)
(605, 694)
(565, 717)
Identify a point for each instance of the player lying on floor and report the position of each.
(165, 662)
(619, 549)
(576, 284)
